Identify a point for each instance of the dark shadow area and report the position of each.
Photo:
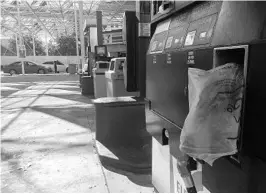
(6, 93)
(67, 96)
(76, 88)
(121, 166)
(7, 155)
(41, 87)
(132, 158)
(6, 105)
(39, 78)
(47, 147)
(4, 128)
(19, 86)
(41, 142)
(129, 149)
(59, 135)
(113, 165)
(16, 87)
(121, 129)
(133, 162)
(78, 115)
(73, 97)
(59, 83)
(74, 112)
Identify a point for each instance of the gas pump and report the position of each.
(101, 53)
(205, 35)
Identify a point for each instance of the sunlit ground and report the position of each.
(47, 138)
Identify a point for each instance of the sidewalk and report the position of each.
(48, 144)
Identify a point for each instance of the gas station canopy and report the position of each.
(56, 17)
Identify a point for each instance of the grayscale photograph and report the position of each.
(133, 96)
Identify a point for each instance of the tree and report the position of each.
(7, 52)
(53, 49)
(66, 45)
(28, 42)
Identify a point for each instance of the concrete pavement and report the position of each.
(47, 140)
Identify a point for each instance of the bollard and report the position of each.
(87, 85)
(72, 68)
(80, 79)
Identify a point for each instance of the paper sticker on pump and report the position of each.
(169, 42)
(154, 45)
(190, 38)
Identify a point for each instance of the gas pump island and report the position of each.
(92, 80)
(201, 35)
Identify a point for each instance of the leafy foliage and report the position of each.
(65, 45)
(39, 48)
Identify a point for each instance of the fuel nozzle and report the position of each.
(183, 168)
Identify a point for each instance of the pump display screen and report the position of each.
(159, 38)
(158, 42)
(101, 50)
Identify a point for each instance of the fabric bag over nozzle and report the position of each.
(212, 125)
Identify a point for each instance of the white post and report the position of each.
(33, 42)
(20, 38)
(17, 45)
(82, 45)
(46, 40)
(33, 45)
(76, 31)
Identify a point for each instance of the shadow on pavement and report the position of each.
(5, 127)
(78, 115)
(39, 78)
(23, 147)
(79, 110)
(133, 156)
(34, 138)
(141, 178)
(81, 115)
(131, 161)
(10, 88)
(73, 97)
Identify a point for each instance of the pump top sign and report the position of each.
(144, 29)
(114, 37)
(101, 50)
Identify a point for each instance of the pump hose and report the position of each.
(187, 177)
